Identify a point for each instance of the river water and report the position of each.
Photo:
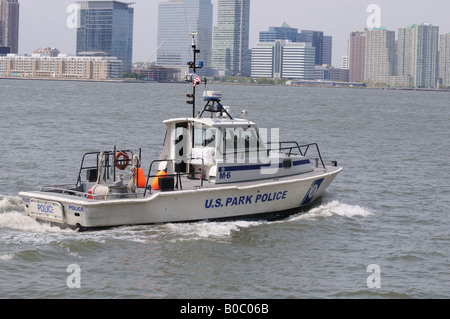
(380, 231)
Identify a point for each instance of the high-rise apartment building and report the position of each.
(283, 59)
(176, 20)
(231, 38)
(380, 57)
(9, 25)
(444, 59)
(417, 54)
(106, 26)
(356, 55)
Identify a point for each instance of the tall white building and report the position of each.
(283, 59)
(417, 54)
(444, 59)
(380, 57)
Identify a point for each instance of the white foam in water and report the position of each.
(13, 217)
(6, 257)
(19, 221)
(8, 203)
(208, 230)
(334, 208)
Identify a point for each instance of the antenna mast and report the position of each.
(194, 78)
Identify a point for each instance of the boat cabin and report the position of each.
(222, 149)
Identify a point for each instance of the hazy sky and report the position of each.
(44, 22)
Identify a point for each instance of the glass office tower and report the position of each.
(106, 27)
(178, 18)
(231, 38)
(283, 32)
(323, 44)
(316, 39)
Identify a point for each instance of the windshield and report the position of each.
(204, 137)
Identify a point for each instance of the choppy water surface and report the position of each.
(389, 207)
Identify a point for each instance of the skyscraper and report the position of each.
(417, 54)
(178, 18)
(379, 63)
(444, 59)
(316, 39)
(106, 26)
(9, 25)
(231, 38)
(356, 55)
(327, 54)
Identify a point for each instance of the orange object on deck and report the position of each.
(155, 182)
(140, 178)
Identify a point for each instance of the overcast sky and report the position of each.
(44, 22)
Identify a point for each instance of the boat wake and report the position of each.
(13, 217)
(207, 230)
(226, 230)
(331, 209)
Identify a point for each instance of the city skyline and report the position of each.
(39, 27)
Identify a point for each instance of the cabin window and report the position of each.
(240, 140)
(204, 137)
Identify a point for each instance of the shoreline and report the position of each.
(315, 85)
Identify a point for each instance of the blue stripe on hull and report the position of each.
(259, 166)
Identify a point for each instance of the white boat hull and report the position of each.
(239, 201)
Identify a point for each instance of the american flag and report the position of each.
(196, 79)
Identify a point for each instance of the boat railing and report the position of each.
(293, 146)
(68, 189)
(63, 189)
(109, 165)
(177, 175)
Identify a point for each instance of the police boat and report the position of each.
(212, 168)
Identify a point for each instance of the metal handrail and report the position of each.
(299, 147)
(177, 175)
(107, 165)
